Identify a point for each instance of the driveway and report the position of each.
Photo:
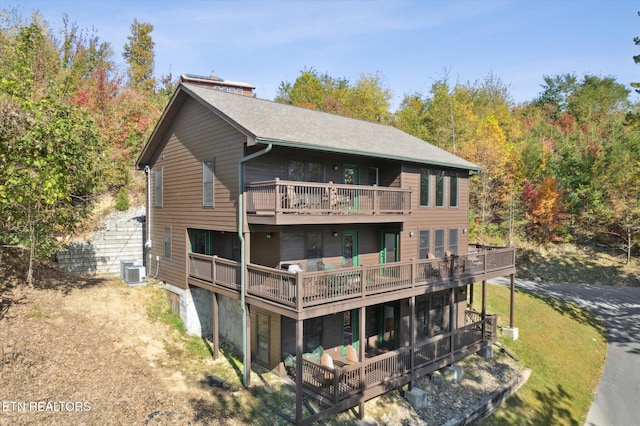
(617, 400)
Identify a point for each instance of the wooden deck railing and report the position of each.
(339, 383)
(305, 289)
(280, 196)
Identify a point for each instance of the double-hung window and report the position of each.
(158, 188)
(439, 243)
(453, 189)
(167, 242)
(425, 244)
(453, 241)
(440, 178)
(207, 183)
(425, 187)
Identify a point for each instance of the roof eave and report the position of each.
(292, 144)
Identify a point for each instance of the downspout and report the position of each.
(243, 264)
(147, 244)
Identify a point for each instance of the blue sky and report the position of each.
(411, 43)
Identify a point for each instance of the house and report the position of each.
(335, 247)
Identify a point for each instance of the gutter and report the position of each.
(243, 264)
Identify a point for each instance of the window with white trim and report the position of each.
(158, 188)
(167, 242)
(439, 243)
(207, 183)
(425, 187)
(440, 178)
(453, 189)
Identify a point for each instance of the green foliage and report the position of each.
(140, 56)
(122, 200)
(68, 128)
(367, 100)
(564, 376)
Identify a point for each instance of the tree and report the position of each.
(140, 56)
(47, 174)
(367, 100)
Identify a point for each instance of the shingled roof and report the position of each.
(266, 121)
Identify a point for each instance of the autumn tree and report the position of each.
(139, 54)
(367, 100)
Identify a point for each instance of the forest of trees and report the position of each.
(564, 166)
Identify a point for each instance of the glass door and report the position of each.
(350, 255)
(350, 330)
(388, 326)
(352, 177)
(389, 252)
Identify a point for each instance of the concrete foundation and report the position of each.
(417, 398)
(486, 352)
(453, 373)
(196, 311)
(510, 332)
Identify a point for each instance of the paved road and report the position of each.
(617, 401)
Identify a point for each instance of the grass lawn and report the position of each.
(565, 348)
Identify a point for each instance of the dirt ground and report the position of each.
(81, 350)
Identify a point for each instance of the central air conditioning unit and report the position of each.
(134, 274)
(124, 264)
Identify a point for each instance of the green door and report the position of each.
(389, 249)
(350, 249)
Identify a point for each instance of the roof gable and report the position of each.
(270, 122)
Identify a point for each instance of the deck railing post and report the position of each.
(299, 290)
(213, 269)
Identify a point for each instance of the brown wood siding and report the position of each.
(432, 218)
(195, 135)
(275, 165)
(292, 243)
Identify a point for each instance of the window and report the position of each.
(305, 171)
(262, 351)
(425, 187)
(453, 241)
(167, 242)
(158, 188)
(440, 188)
(453, 189)
(313, 245)
(439, 243)
(207, 183)
(425, 244)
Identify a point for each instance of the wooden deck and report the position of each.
(282, 202)
(318, 291)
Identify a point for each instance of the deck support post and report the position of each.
(216, 329)
(299, 338)
(412, 335)
(511, 301)
(484, 307)
(471, 296)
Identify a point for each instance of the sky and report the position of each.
(412, 43)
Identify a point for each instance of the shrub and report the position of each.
(122, 200)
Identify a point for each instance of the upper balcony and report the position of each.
(280, 202)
